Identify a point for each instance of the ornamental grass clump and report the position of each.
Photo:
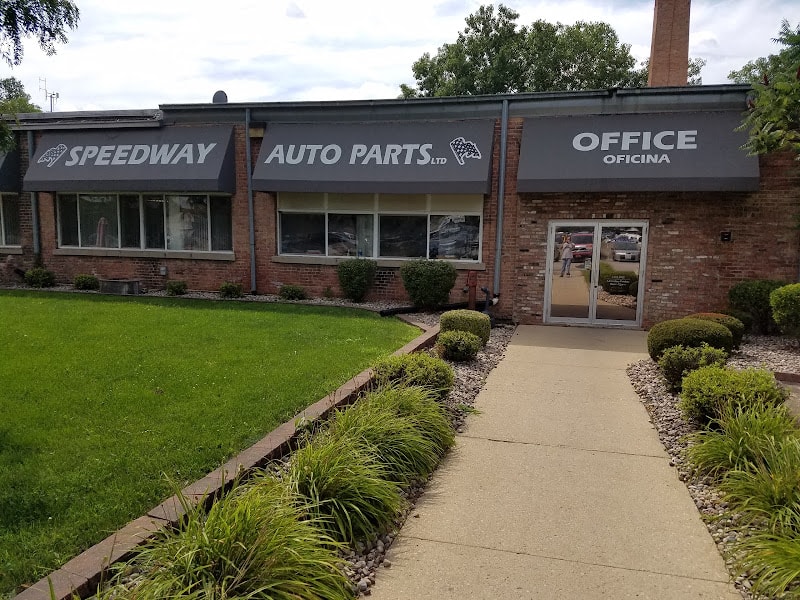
(344, 488)
(421, 407)
(768, 492)
(395, 440)
(739, 438)
(416, 369)
(474, 322)
(709, 390)
(252, 543)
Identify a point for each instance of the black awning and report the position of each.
(9, 172)
(174, 159)
(692, 151)
(417, 157)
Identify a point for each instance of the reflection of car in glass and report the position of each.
(625, 250)
(583, 241)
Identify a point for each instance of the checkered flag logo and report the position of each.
(51, 155)
(464, 149)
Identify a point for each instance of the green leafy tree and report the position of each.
(13, 100)
(773, 118)
(46, 20)
(492, 55)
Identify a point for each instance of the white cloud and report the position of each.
(153, 52)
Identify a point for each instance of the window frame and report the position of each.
(322, 208)
(4, 218)
(142, 198)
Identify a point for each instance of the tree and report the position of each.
(13, 100)
(773, 118)
(494, 56)
(46, 20)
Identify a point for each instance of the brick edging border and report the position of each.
(82, 574)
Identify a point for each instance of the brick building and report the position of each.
(668, 210)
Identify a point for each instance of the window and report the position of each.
(382, 225)
(150, 221)
(9, 220)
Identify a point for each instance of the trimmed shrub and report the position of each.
(735, 325)
(428, 282)
(689, 333)
(292, 292)
(231, 290)
(785, 303)
(176, 288)
(618, 282)
(709, 391)
(745, 317)
(458, 346)
(752, 296)
(356, 276)
(416, 369)
(472, 321)
(39, 277)
(86, 282)
(677, 362)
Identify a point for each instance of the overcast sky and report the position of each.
(144, 53)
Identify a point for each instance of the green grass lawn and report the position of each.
(108, 404)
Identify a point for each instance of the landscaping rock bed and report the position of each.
(777, 354)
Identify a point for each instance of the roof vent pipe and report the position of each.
(501, 193)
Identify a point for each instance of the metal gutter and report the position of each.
(250, 207)
(501, 193)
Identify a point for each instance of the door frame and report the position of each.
(595, 225)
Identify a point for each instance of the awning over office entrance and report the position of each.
(178, 159)
(9, 172)
(692, 151)
(417, 157)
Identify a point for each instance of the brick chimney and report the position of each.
(669, 51)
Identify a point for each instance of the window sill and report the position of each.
(310, 259)
(10, 249)
(133, 253)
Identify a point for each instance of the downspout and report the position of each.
(37, 244)
(501, 193)
(250, 211)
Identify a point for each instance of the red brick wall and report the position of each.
(669, 48)
(688, 268)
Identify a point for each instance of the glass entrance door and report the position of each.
(593, 272)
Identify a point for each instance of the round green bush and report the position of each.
(416, 369)
(86, 282)
(428, 282)
(709, 391)
(752, 296)
(292, 292)
(458, 346)
(472, 321)
(356, 276)
(231, 290)
(677, 362)
(735, 325)
(785, 302)
(176, 288)
(745, 317)
(690, 333)
(40, 277)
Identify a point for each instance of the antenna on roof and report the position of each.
(53, 96)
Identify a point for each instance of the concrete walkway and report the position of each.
(559, 489)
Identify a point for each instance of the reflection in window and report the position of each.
(9, 221)
(302, 233)
(350, 235)
(403, 236)
(154, 221)
(455, 237)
